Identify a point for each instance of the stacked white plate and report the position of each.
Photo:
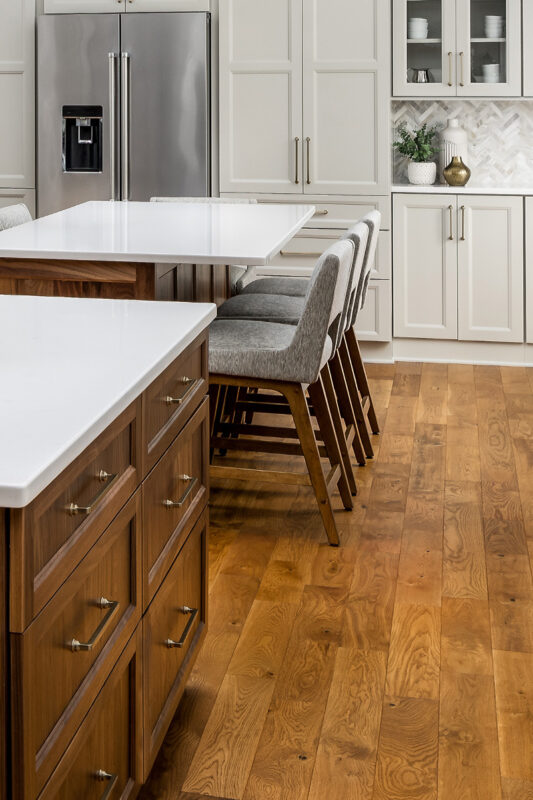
(493, 27)
(417, 28)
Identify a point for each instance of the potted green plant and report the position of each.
(418, 147)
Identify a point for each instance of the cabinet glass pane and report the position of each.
(488, 41)
(424, 41)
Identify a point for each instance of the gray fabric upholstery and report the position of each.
(238, 276)
(291, 287)
(11, 216)
(359, 235)
(263, 307)
(373, 220)
(282, 352)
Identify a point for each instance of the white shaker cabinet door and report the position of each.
(527, 21)
(84, 6)
(17, 94)
(529, 270)
(346, 57)
(261, 96)
(491, 269)
(425, 266)
(10, 197)
(374, 322)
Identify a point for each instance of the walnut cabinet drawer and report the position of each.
(173, 629)
(64, 657)
(171, 399)
(174, 494)
(104, 760)
(49, 538)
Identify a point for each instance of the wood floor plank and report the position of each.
(370, 604)
(513, 676)
(466, 645)
(464, 569)
(346, 755)
(516, 789)
(433, 401)
(414, 655)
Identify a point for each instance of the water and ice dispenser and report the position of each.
(82, 138)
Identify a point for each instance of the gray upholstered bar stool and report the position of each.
(287, 360)
(11, 216)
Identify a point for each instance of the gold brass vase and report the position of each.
(457, 173)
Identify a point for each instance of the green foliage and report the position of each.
(417, 146)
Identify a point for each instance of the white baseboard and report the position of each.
(448, 352)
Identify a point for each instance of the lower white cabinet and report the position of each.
(529, 270)
(10, 197)
(374, 323)
(458, 267)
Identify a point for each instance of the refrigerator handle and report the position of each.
(125, 93)
(113, 124)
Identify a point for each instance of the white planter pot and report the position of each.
(422, 173)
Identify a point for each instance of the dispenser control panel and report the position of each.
(82, 138)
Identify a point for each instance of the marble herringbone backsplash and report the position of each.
(500, 134)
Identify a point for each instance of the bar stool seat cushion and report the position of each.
(292, 287)
(247, 348)
(12, 216)
(264, 308)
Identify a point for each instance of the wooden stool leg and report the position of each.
(331, 397)
(300, 412)
(331, 440)
(361, 377)
(355, 397)
(346, 408)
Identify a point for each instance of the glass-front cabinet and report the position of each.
(451, 48)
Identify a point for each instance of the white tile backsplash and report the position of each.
(500, 134)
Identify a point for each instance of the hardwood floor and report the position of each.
(399, 666)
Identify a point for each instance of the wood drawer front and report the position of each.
(48, 539)
(165, 527)
(166, 668)
(163, 418)
(60, 675)
(109, 739)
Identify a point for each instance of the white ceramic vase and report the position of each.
(422, 173)
(454, 143)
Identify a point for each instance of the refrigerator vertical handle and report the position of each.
(113, 124)
(125, 93)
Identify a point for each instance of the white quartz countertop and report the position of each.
(68, 368)
(187, 233)
(407, 188)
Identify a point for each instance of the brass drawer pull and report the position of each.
(104, 477)
(308, 142)
(112, 606)
(322, 212)
(300, 255)
(102, 775)
(463, 224)
(297, 160)
(189, 384)
(193, 614)
(450, 237)
(462, 58)
(181, 502)
(450, 68)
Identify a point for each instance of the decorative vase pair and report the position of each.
(453, 153)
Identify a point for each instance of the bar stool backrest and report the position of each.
(373, 220)
(11, 216)
(359, 235)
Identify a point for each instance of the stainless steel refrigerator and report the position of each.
(123, 107)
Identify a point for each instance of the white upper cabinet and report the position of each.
(491, 269)
(17, 94)
(346, 80)
(261, 147)
(460, 48)
(111, 6)
(527, 19)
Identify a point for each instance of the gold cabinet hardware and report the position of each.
(308, 142)
(450, 237)
(286, 254)
(104, 477)
(189, 384)
(321, 212)
(450, 68)
(297, 160)
(112, 606)
(193, 612)
(462, 59)
(181, 502)
(463, 224)
(101, 775)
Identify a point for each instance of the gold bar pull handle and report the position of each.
(189, 384)
(322, 212)
(462, 60)
(296, 254)
(112, 606)
(450, 237)
(308, 143)
(181, 502)
(108, 478)
(101, 775)
(463, 224)
(193, 612)
(450, 68)
(297, 160)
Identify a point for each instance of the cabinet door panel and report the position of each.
(529, 268)
(261, 96)
(491, 265)
(17, 94)
(527, 21)
(425, 267)
(374, 321)
(346, 56)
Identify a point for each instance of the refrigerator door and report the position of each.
(76, 143)
(166, 134)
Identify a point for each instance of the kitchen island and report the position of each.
(103, 522)
(144, 251)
